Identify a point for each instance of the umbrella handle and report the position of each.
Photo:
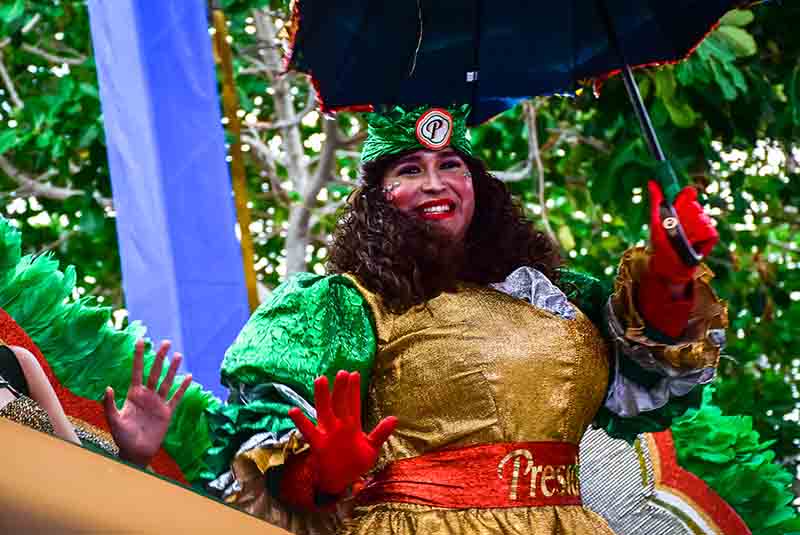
(668, 218)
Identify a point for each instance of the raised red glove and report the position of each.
(665, 298)
(696, 224)
(340, 450)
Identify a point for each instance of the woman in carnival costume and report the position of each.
(472, 358)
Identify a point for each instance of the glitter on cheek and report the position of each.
(403, 197)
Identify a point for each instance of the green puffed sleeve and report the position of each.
(312, 325)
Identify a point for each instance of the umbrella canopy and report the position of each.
(487, 54)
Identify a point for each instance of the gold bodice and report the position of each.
(477, 366)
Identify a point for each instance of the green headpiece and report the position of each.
(398, 131)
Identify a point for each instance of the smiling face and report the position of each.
(434, 186)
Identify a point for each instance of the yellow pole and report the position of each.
(230, 105)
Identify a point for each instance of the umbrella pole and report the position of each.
(642, 115)
(666, 175)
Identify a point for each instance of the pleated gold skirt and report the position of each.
(413, 519)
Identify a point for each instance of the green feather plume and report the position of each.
(728, 454)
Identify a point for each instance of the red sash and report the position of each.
(512, 474)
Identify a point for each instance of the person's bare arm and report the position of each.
(42, 392)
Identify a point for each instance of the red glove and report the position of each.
(340, 450)
(696, 224)
(667, 275)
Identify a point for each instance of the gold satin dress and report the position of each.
(473, 367)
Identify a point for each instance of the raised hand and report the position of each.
(698, 227)
(341, 450)
(139, 428)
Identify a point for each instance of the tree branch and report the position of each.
(572, 137)
(12, 92)
(355, 139)
(38, 188)
(31, 23)
(25, 29)
(49, 56)
(263, 155)
(529, 109)
(61, 239)
(329, 209)
(516, 175)
(311, 103)
(327, 162)
(285, 112)
(258, 66)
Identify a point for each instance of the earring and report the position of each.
(467, 174)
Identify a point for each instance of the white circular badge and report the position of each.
(434, 128)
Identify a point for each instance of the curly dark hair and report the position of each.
(407, 262)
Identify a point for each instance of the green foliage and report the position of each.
(57, 138)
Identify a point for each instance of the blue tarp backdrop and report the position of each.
(181, 261)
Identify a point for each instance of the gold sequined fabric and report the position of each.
(27, 412)
(477, 366)
(408, 519)
(697, 348)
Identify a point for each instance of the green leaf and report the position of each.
(716, 47)
(7, 140)
(728, 89)
(43, 140)
(794, 95)
(88, 90)
(740, 40)
(65, 87)
(644, 87)
(681, 113)
(626, 155)
(665, 83)
(11, 12)
(737, 77)
(89, 135)
(57, 150)
(737, 17)
(91, 221)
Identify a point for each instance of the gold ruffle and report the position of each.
(696, 349)
(260, 459)
(249, 493)
(411, 519)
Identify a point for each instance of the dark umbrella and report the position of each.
(494, 54)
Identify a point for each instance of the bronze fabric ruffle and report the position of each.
(699, 347)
